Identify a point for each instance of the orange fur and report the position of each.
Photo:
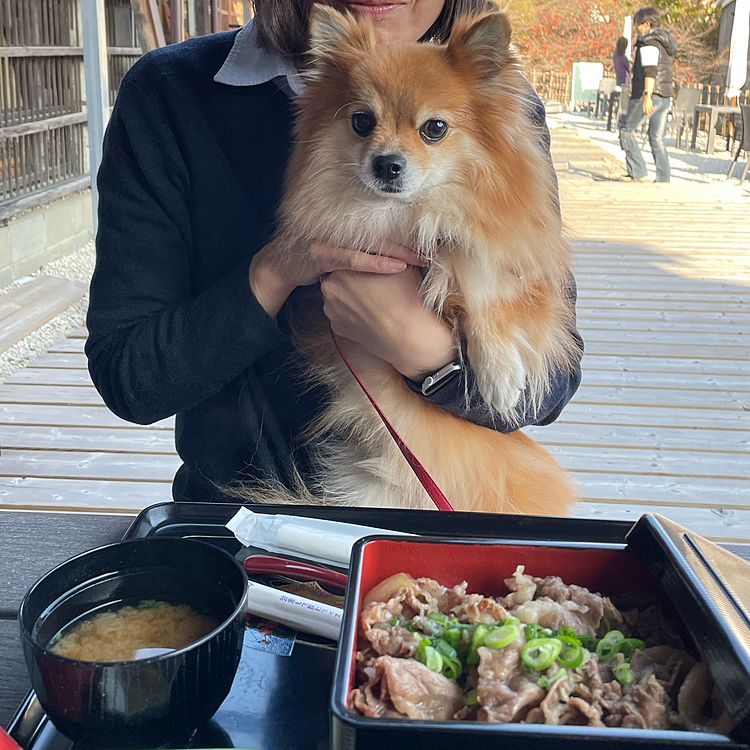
(479, 205)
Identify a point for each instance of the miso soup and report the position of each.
(117, 632)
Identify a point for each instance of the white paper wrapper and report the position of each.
(295, 611)
(329, 542)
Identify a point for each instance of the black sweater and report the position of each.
(190, 179)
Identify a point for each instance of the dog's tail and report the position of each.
(274, 492)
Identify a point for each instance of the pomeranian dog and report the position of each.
(475, 196)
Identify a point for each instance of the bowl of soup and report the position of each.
(136, 643)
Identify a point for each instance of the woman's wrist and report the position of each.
(267, 283)
(418, 364)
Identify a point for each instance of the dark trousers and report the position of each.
(656, 129)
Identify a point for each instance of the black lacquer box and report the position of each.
(707, 587)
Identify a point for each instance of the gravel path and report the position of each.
(78, 266)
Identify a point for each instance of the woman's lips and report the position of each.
(373, 9)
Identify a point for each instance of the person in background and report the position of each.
(650, 95)
(622, 76)
(621, 62)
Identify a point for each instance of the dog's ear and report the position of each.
(482, 43)
(331, 30)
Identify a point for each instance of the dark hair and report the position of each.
(622, 45)
(283, 24)
(650, 15)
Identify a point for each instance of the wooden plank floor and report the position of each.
(660, 423)
(62, 449)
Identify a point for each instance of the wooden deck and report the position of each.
(660, 423)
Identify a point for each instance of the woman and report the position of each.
(188, 286)
(621, 62)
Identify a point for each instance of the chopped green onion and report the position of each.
(607, 646)
(445, 648)
(477, 640)
(567, 631)
(623, 673)
(452, 667)
(394, 621)
(471, 699)
(588, 642)
(532, 632)
(452, 636)
(145, 603)
(438, 617)
(511, 621)
(501, 637)
(569, 639)
(613, 636)
(628, 645)
(570, 657)
(545, 682)
(540, 653)
(606, 624)
(431, 628)
(431, 658)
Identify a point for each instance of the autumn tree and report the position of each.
(553, 34)
(562, 32)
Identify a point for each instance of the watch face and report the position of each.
(434, 382)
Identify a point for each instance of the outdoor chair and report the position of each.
(683, 112)
(606, 87)
(742, 134)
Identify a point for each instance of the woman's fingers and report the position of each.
(328, 258)
(390, 258)
(402, 252)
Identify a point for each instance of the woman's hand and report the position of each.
(276, 271)
(385, 314)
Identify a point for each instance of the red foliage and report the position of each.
(569, 31)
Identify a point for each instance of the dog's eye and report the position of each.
(363, 123)
(433, 130)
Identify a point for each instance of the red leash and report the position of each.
(435, 493)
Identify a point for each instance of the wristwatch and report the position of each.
(438, 379)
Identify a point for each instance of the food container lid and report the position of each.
(710, 589)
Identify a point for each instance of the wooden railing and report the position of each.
(43, 146)
(550, 85)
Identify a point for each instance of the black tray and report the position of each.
(282, 702)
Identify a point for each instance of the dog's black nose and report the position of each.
(389, 167)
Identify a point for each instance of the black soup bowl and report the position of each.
(148, 702)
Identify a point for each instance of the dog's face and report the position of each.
(398, 121)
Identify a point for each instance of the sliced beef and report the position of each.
(669, 666)
(506, 693)
(554, 604)
(475, 608)
(384, 638)
(522, 588)
(552, 614)
(642, 706)
(410, 689)
(653, 627)
(699, 704)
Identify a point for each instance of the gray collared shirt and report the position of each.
(248, 64)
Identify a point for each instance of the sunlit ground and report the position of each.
(692, 166)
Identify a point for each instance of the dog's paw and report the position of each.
(501, 378)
